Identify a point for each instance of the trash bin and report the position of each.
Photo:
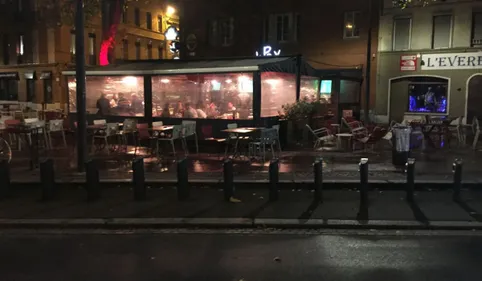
(401, 144)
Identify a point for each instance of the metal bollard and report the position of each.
(228, 179)
(92, 180)
(139, 179)
(183, 190)
(4, 180)
(273, 180)
(457, 170)
(47, 177)
(410, 165)
(363, 182)
(318, 174)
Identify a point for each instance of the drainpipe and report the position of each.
(366, 109)
(80, 81)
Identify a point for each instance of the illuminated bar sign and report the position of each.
(268, 52)
(452, 61)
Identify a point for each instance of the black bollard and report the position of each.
(410, 165)
(318, 174)
(273, 180)
(228, 179)
(364, 182)
(47, 178)
(183, 190)
(4, 179)
(457, 170)
(139, 179)
(92, 181)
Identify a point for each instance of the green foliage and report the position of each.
(303, 109)
(402, 4)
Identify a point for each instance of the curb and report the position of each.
(123, 223)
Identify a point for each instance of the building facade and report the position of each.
(330, 35)
(36, 45)
(430, 60)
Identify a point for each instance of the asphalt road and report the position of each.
(247, 257)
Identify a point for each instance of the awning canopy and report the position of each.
(167, 67)
(348, 74)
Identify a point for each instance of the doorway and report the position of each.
(474, 98)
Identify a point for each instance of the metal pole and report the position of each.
(273, 180)
(318, 173)
(410, 178)
(228, 179)
(364, 182)
(457, 169)
(368, 65)
(80, 82)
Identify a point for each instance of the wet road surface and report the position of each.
(239, 256)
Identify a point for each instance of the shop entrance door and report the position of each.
(474, 98)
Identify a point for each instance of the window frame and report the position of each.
(138, 49)
(355, 24)
(409, 33)
(137, 17)
(92, 49)
(451, 31)
(290, 27)
(149, 51)
(159, 23)
(125, 49)
(149, 20)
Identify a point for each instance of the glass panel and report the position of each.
(325, 91)
(427, 97)
(349, 91)
(277, 89)
(477, 26)
(401, 34)
(114, 95)
(309, 88)
(215, 96)
(442, 26)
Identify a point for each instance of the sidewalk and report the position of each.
(206, 208)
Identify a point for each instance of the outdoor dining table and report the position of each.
(31, 135)
(239, 133)
(438, 126)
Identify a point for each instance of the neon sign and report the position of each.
(268, 51)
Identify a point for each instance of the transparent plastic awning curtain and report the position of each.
(166, 67)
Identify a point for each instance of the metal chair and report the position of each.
(269, 137)
(56, 126)
(111, 131)
(175, 135)
(189, 130)
(320, 136)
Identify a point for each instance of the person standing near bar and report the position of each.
(103, 105)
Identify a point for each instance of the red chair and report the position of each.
(143, 134)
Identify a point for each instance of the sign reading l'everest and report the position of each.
(452, 61)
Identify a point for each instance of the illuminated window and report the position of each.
(277, 90)
(211, 96)
(125, 95)
(442, 32)
(92, 51)
(72, 45)
(351, 25)
(20, 49)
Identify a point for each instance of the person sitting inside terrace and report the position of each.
(200, 110)
(103, 105)
(190, 111)
(179, 110)
(165, 111)
(136, 104)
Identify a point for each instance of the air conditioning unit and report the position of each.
(476, 42)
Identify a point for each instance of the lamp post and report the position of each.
(80, 83)
(366, 109)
